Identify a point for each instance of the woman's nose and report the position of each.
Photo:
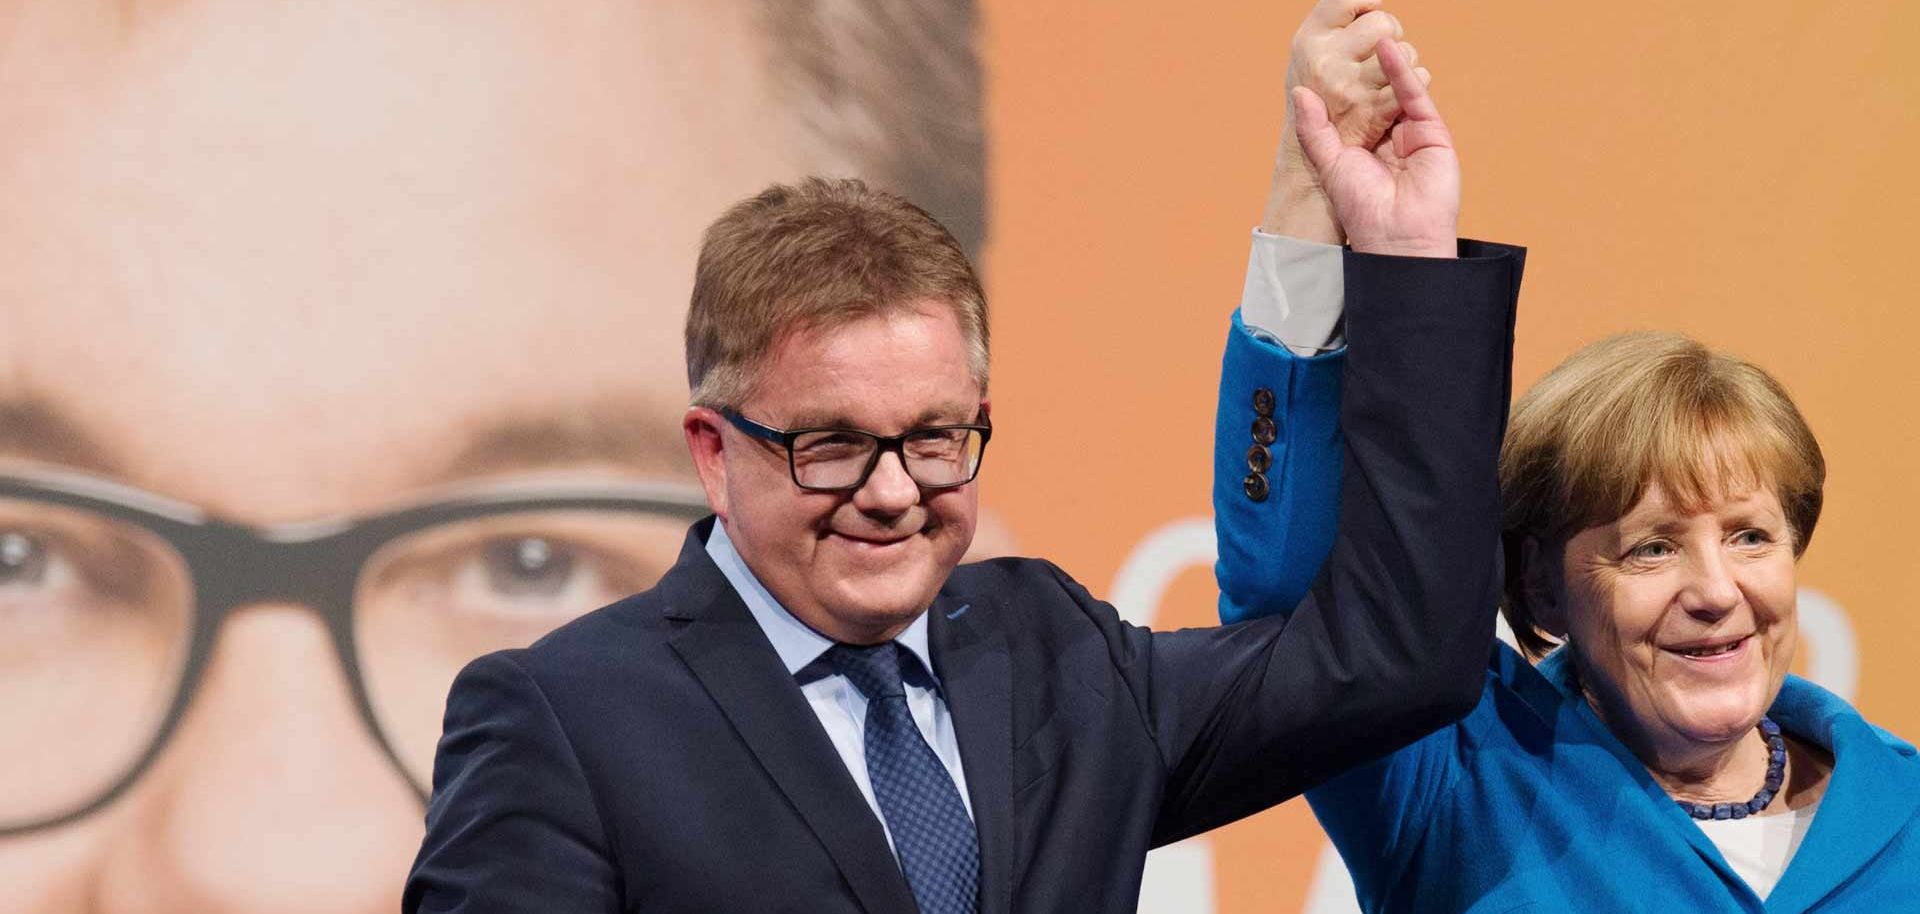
(1711, 589)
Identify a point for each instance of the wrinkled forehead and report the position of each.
(1720, 473)
(340, 226)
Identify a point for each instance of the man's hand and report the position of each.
(1401, 196)
(1333, 54)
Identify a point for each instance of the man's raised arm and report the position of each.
(1391, 641)
(1277, 450)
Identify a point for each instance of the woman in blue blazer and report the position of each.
(1656, 497)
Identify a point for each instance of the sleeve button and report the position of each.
(1263, 401)
(1259, 458)
(1256, 486)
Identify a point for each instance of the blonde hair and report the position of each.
(817, 255)
(1636, 409)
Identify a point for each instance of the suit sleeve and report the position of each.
(512, 826)
(1274, 517)
(1392, 638)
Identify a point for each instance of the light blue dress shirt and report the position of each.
(842, 709)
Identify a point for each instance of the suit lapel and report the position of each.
(970, 657)
(726, 650)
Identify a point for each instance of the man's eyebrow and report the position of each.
(936, 415)
(37, 430)
(636, 434)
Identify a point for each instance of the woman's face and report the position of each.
(1682, 620)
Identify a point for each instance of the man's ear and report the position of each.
(1544, 584)
(702, 428)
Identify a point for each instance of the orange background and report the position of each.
(1743, 173)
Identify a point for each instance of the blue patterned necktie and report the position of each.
(931, 831)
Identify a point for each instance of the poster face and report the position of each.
(340, 344)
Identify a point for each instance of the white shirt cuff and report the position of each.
(1295, 293)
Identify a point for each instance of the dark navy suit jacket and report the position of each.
(656, 756)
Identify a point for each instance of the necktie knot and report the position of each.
(873, 669)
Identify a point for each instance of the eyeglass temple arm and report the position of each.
(757, 430)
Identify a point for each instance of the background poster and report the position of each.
(339, 342)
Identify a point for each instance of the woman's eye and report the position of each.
(1657, 549)
(1752, 538)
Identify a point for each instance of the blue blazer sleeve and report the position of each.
(1271, 549)
(1377, 813)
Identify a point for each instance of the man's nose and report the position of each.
(272, 796)
(889, 490)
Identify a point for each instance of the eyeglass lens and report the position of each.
(933, 457)
(95, 620)
(96, 616)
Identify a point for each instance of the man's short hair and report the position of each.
(1636, 409)
(817, 255)
(891, 91)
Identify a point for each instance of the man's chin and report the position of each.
(878, 609)
(886, 588)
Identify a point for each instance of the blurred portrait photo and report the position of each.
(341, 343)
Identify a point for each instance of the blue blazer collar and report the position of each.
(1872, 796)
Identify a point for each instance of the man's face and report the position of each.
(288, 261)
(856, 566)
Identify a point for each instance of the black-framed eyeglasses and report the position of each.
(111, 599)
(841, 459)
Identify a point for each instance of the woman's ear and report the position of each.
(1543, 581)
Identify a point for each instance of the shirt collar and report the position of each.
(796, 643)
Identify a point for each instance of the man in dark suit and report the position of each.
(814, 711)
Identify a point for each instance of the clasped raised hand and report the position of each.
(1400, 195)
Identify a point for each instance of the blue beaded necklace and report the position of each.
(1776, 772)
